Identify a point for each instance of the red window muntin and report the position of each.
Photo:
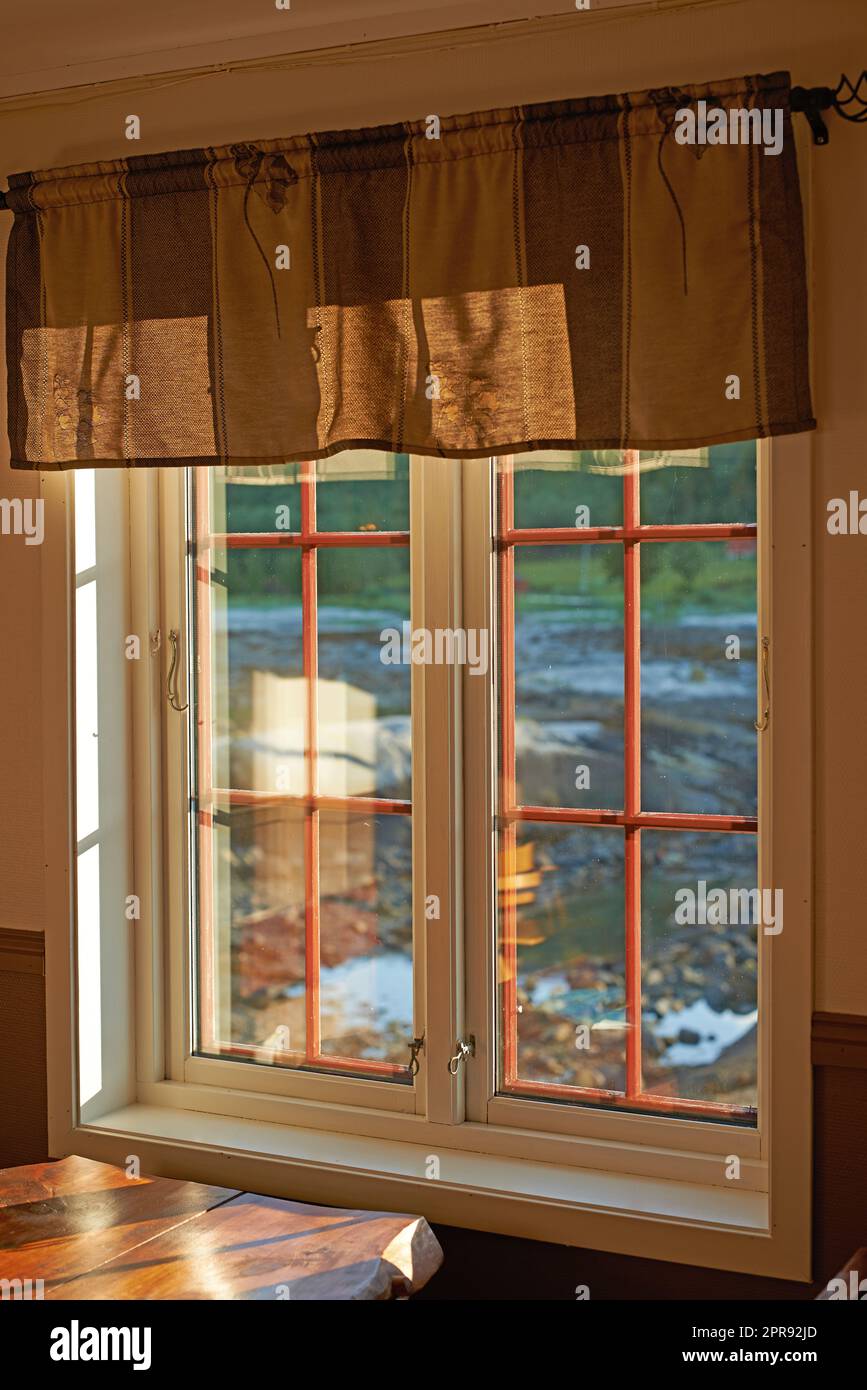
(631, 535)
(209, 798)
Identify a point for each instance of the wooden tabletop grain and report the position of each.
(88, 1231)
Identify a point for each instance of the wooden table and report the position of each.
(90, 1232)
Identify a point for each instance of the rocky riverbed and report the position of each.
(699, 983)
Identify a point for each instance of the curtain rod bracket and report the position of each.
(812, 101)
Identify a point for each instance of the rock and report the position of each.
(590, 1077)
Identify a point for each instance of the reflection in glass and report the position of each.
(717, 484)
(700, 966)
(555, 488)
(569, 675)
(258, 689)
(364, 703)
(253, 957)
(304, 947)
(262, 498)
(566, 891)
(366, 936)
(698, 676)
(255, 999)
(363, 490)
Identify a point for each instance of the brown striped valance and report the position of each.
(566, 275)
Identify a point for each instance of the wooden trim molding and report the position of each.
(22, 952)
(839, 1040)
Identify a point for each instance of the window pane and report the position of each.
(85, 519)
(366, 936)
(568, 489)
(364, 701)
(258, 694)
(562, 686)
(363, 490)
(698, 676)
(265, 498)
(717, 484)
(700, 965)
(569, 675)
(304, 945)
(86, 711)
(563, 887)
(89, 972)
(252, 953)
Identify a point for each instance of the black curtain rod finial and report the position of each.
(848, 99)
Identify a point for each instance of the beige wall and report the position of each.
(584, 55)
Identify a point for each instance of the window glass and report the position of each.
(303, 766)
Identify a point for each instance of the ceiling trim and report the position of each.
(362, 41)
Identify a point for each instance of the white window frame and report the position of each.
(435, 783)
(610, 1182)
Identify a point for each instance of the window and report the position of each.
(428, 904)
(628, 780)
(626, 615)
(302, 864)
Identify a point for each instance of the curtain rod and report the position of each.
(811, 101)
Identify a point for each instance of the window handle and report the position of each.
(172, 691)
(761, 724)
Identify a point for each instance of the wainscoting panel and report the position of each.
(23, 1104)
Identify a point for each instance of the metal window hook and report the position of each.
(465, 1048)
(415, 1047)
(172, 691)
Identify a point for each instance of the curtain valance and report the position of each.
(566, 275)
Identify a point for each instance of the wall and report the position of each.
(569, 56)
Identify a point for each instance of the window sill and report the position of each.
(722, 1228)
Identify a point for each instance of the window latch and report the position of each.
(415, 1047)
(465, 1048)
